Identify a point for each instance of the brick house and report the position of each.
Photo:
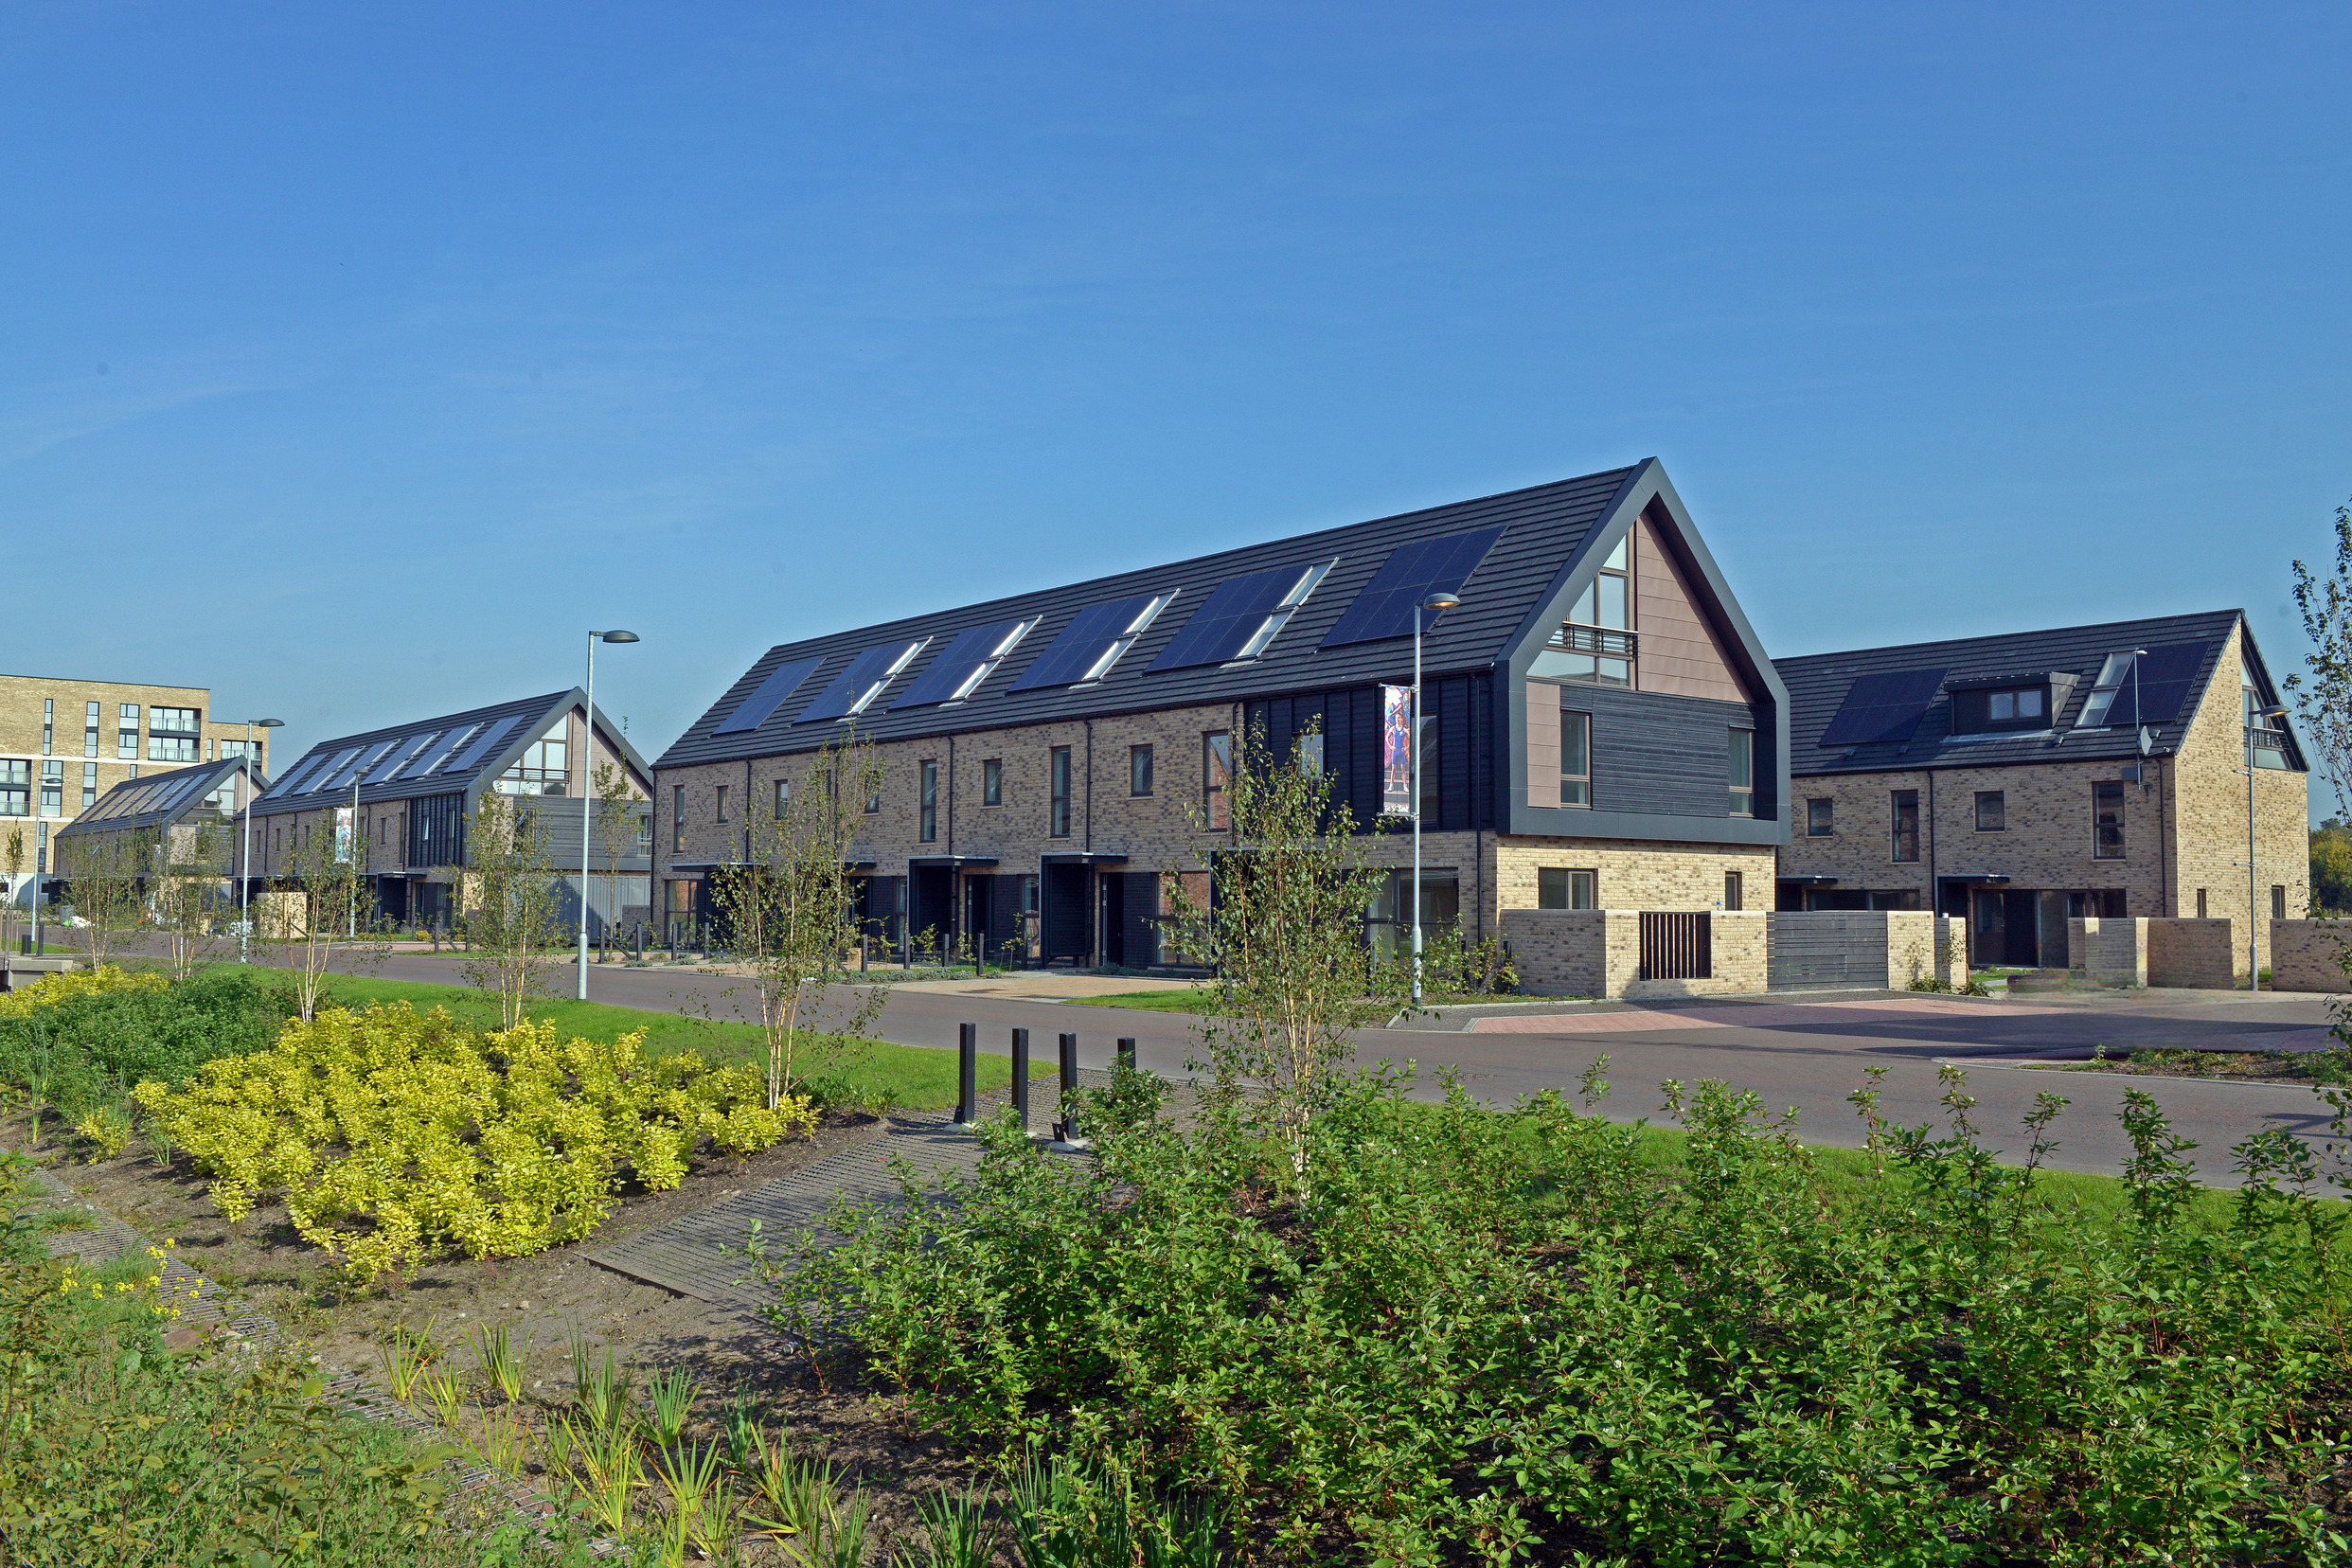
(165, 813)
(2023, 779)
(409, 791)
(1601, 726)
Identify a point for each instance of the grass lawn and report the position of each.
(909, 1075)
(1189, 999)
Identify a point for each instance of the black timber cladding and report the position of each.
(1542, 528)
(1462, 711)
(1818, 685)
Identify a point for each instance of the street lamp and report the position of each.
(588, 794)
(1437, 603)
(2257, 721)
(245, 875)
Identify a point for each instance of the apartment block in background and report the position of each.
(1602, 729)
(65, 743)
(2027, 778)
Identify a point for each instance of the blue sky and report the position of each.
(358, 358)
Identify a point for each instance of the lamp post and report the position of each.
(2258, 720)
(587, 793)
(245, 875)
(1437, 603)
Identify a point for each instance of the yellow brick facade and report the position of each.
(2184, 827)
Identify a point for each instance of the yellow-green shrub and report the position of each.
(55, 991)
(393, 1132)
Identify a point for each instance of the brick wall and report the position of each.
(21, 697)
(2109, 951)
(2308, 955)
(2197, 954)
(2210, 851)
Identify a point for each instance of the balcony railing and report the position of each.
(1595, 639)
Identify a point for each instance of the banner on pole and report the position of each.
(343, 836)
(1396, 751)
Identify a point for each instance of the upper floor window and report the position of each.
(2114, 674)
(1217, 779)
(677, 817)
(52, 788)
(1820, 819)
(1310, 755)
(127, 730)
(538, 771)
(1906, 812)
(1981, 709)
(1057, 821)
(90, 730)
(992, 781)
(48, 723)
(927, 778)
(2107, 819)
(783, 796)
(2265, 744)
(89, 785)
(171, 734)
(719, 804)
(1742, 766)
(1575, 758)
(1596, 643)
(1139, 768)
(1991, 811)
(15, 788)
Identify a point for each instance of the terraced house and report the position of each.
(403, 796)
(1599, 726)
(2025, 779)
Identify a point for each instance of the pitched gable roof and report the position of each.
(157, 800)
(1819, 684)
(429, 756)
(1541, 528)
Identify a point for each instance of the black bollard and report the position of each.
(1021, 1077)
(1126, 1053)
(1069, 1065)
(967, 1073)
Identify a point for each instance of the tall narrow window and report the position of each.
(1742, 765)
(1735, 884)
(1575, 758)
(90, 730)
(719, 804)
(873, 803)
(1217, 779)
(1310, 755)
(1820, 818)
(992, 781)
(783, 797)
(928, 825)
(2200, 903)
(1139, 770)
(1992, 810)
(1057, 823)
(1906, 807)
(2278, 902)
(126, 730)
(89, 785)
(677, 817)
(48, 723)
(2107, 819)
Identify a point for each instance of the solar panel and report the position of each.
(858, 684)
(2166, 673)
(963, 663)
(1234, 619)
(450, 741)
(1088, 645)
(356, 768)
(1410, 575)
(417, 745)
(319, 780)
(286, 785)
(481, 748)
(781, 682)
(419, 757)
(178, 791)
(1885, 706)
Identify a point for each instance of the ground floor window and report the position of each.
(1564, 888)
(2278, 902)
(1733, 882)
(1388, 924)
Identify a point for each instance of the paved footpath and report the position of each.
(1807, 1054)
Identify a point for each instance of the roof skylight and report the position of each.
(1240, 616)
(863, 681)
(960, 667)
(1093, 642)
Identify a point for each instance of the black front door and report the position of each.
(1114, 920)
(931, 918)
(1068, 914)
(2021, 915)
(978, 892)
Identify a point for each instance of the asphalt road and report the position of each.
(1806, 1054)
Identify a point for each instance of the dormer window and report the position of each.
(2009, 707)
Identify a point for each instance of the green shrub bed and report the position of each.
(1483, 1336)
(85, 1037)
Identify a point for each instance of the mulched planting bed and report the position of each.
(2295, 1069)
(549, 1296)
